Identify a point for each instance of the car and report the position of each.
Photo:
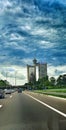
(19, 90)
(8, 91)
(2, 93)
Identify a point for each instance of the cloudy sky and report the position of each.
(28, 29)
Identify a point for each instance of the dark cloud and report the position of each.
(33, 28)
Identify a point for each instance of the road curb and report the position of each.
(48, 95)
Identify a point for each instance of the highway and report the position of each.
(29, 111)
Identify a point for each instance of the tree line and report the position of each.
(43, 83)
(4, 84)
(48, 83)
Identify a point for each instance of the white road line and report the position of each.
(51, 96)
(1, 106)
(52, 108)
(11, 96)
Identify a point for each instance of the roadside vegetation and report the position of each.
(44, 85)
(4, 84)
(53, 90)
(50, 86)
(48, 83)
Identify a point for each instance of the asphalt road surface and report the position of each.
(20, 111)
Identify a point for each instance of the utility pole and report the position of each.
(15, 78)
(6, 81)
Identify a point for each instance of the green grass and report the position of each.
(57, 95)
(53, 92)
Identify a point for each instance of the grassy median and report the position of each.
(53, 92)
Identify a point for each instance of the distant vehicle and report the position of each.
(19, 90)
(2, 93)
(8, 91)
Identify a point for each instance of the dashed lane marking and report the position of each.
(1, 106)
(11, 96)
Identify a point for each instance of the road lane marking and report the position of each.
(11, 96)
(52, 108)
(1, 106)
(61, 98)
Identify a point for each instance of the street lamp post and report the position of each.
(15, 78)
(6, 80)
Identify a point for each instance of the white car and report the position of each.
(8, 91)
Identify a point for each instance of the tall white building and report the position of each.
(31, 71)
(42, 70)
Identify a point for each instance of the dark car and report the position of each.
(2, 93)
(19, 90)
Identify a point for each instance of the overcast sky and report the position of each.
(28, 29)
